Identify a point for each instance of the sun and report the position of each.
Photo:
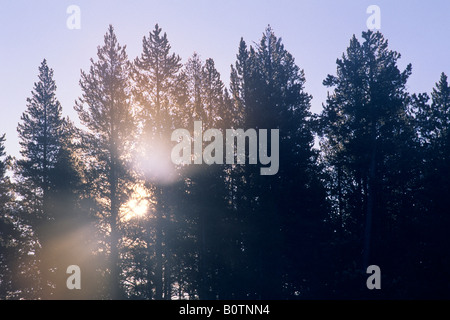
(138, 207)
(138, 204)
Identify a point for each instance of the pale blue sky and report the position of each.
(315, 32)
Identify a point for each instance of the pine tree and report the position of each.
(5, 187)
(71, 228)
(105, 110)
(369, 144)
(268, 90)
(432, 120)
(10, 236)
(193, 70)
(40, 133)
(206, 215)
(214, 95)
(156, 76)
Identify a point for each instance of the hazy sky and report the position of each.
(315, 32)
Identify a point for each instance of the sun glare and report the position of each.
(156, 163)
(138, 204)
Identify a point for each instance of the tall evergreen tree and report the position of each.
(49, 187)
(207, 214)
(10, 236)
(369, 145)
(71, 228)
(40, 133)
(105, 110)
(432, 119)
(268, 88)
(156, 75)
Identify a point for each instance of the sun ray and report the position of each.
(138, 205)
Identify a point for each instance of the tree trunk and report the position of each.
(370, 205)
(158, 251)
(115, 274)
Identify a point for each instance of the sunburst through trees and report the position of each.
(108, 197)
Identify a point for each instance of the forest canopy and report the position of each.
(365, 182)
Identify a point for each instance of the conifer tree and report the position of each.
(268, 90)
(105, 110)
(10, 237)
(156, 92)
(205, 185)
(40, 132)
(432, 120)
(368, 137)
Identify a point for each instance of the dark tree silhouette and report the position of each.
(431, 219)
(281, 210)
(10, 235)
(105, 110)
(376, 192)
(156, 72)
(369, 147)
(40, 133)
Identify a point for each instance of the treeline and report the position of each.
(106, 196)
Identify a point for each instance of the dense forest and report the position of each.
(365, 182)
